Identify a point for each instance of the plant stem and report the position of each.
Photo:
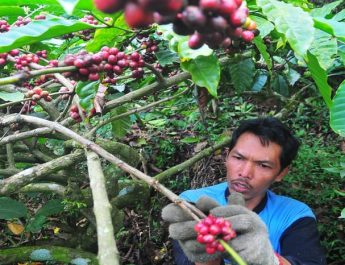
(232, 253)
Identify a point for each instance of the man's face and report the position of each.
(252, 167)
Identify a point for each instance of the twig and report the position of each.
(10, 157)
(158, 74)
(102, 123)
(24, 75)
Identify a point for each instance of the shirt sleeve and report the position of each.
(300, 243)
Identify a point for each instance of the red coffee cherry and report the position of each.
(210, 230)
(109, 6)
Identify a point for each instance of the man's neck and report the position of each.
(258, 206)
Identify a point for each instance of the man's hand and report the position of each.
(181, 228)
(252, 242)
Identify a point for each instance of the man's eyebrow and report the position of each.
(256, 161)
(265, 162)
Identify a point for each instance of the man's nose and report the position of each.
(247, 170)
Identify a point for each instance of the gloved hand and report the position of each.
(252, 241)
(181, 228)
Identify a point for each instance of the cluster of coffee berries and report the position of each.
(215, 22)
(74, 113)
(42, 53)
(37, 93)
(40, 17)
(110, 60)
(4, 26)
(210, 230)
(141, 13)
(3, 56)
(65, 92)
(21, 21)
(86, 34)
(24, 60)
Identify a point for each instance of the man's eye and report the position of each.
(264, 165)
(237, 157)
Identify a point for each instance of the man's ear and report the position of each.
(282, 174)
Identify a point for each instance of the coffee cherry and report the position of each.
(36, 97)
(238, 18)
(136, 17)
(4, 26)
(37, 90)
(247, 35)
(193, 17)
(227, 7)
(109, 6)
(93, 76)
(210, 5)
(195, 41)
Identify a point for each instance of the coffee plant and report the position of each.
(100, 100)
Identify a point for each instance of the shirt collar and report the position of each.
(258, 208)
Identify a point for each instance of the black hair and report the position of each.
(270, 129)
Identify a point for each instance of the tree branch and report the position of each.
(108, 253)
(44, 187)
(149, 106)
(183, 166)
(25, 177)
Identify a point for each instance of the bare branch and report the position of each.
(25, 177)
(108, 253)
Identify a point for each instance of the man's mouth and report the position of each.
(240, 186)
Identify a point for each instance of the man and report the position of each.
(271, 229)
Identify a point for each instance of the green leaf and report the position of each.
(186, 53)
(293, 76)
(120, 126)
(11, 96)
(324, 47)
(341, 52)
(35, 224)
(333, 27)
(166, 56)
(320, 77)
(259, 43)
(87, 92)
(157, 123)
(325, 10)
(190, 140)
(260, 81)
(39, 30)
(263, 25)
(51, 207)
(54, 6)
(337, 111)
(242, 74)
(293, 22)
(339, 16)
(10, 208)
(9, 11)
(280, 85)
(205, 71)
